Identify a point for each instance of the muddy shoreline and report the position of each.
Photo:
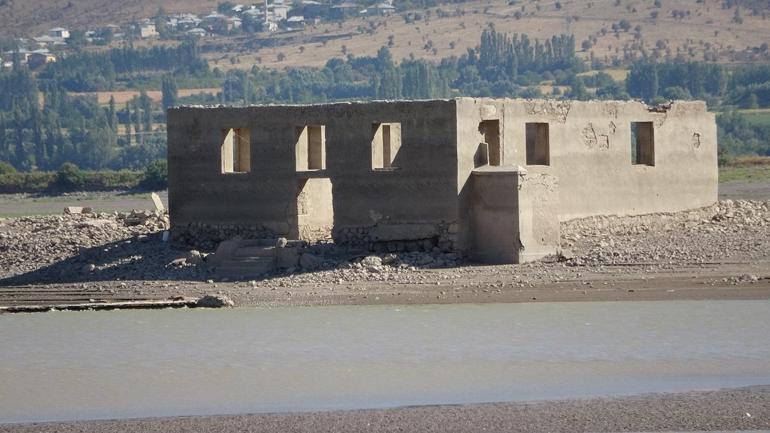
(471, 284)
(728, 409)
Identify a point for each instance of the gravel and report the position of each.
(129, 246)
(729, 230)
(745, 409)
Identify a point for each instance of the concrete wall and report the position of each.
(590, 152)
(421, 190)
(513, 215)
(427, 194)
(494, 216)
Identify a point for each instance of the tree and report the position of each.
(643, 81)
(169, 91)
(3, 143)
(128, 124)
(20, 153)
(6, 168)
(112, 116)
(77, 39)
(156, 175)
(752, 101)
(37, 138)
(578, 89)
(225, 7)
(146, 106)
(69, 177)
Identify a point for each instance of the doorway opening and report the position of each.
(315, 210)
(490, 129)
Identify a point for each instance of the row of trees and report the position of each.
(95, 71)
(42, 126)
(740, 86)
(501, 65)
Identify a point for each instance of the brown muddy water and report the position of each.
(124, 364)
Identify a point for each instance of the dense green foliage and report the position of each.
(93, 71)
(52, 181)
(156, 175)
(741, 136)
(500, 66)
(745, 86)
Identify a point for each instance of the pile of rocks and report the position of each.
(730, 229)
(86, 245)
(131, 246)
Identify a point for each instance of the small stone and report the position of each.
(181, 261)
(194, 257)
(370, 261)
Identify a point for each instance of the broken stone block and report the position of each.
(225, 250)
(157, 202)
(286, 258)
(194, 257)
(176, 263)
(214, 301)
(371, 261)
(76, 210)
(309, 261)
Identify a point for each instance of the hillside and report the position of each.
(453, 28)
(693, 29)
(20, 18)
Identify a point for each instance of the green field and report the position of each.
(760, 173)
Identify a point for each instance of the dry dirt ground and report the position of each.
(450, 29)
(721, 252)
(17, 205)
(705, 23)
(744, 409)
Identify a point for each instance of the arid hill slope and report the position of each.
(676, 27)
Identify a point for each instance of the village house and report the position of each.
(147, 30)
(59, 33)
(40, 58)
(488, 179)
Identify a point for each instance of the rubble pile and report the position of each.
(85, 246)
(728, 230)
(64, 247)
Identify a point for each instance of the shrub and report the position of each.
(6, 168)
(156, 175)
(69, 178)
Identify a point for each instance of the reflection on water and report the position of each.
(86, 365)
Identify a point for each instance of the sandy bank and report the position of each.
(732, 409)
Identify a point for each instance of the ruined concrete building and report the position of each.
(487, 178)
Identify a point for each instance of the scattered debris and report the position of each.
(74, 210)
